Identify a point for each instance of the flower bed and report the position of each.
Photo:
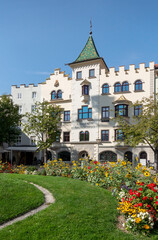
(135, 187)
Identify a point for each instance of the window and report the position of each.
(105, 89)
(85, 90)
(121, 110)
(79, 75)
(19, 95)
(137, 110)
(20, 109)
(33, 108)
(84, 136)
(138, 85)
(105, 114)
(117, 87)
(105, 135)
(84, 113)
(18, 140)
(108, 156)
(66, 116)
(59, 94)
(33, 94)
(91, 73)
(53, 95)
(66, 137)
(125, 87)
(58, 136)
(119, 135)
(33, 140)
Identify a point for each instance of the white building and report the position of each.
(89, 100)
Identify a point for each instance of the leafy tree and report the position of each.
(44, 123)
(144, 127)
(9, 120)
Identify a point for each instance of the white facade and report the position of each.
(73, 97)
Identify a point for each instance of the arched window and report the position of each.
(125, 86)
(53, 95)
(108, 156)
(105, 88)
(59, 94)
(138, 85)
(143, 155)
(117, 87)
(84, 136)
(128, 156)
(121, 110)
(83, 154)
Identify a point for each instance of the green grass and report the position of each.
(17, 197)
(81, 211)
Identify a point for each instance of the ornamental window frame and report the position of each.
(125, 86)
(91, 73)
(138, 86)
(84, 114)
(85, 90)
(84, 136)
(66, 136)
(67, 116)
(117, 87)
(105, 113)
(79, 75)
(105, 88)
(121, 110)
(104, 135)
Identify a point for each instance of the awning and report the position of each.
(22, 149)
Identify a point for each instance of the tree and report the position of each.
(144, 127)
(44, 123)
(9, 120)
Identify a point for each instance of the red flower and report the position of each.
(135, 205)
(151, 198)
(138, 194)
(156, 197)
(148, 206)
(140, 189)
(89, 167)
(145, 198)
(156, 202)
(141, 183)
(140, 204)
(95, 162)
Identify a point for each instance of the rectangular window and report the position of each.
(66, 116)
(119, 135)
(66, 136)
(91, 73)
(33, 94)
(79, 75)
(105, 114)
(18, 140)
(105, 135)
(20, 109)
(85, 113)
(58, 137)
(85, 90)
(19, 95)
(137, 110)
(33, 108)
(33, 140)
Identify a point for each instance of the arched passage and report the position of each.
(108, 156)
(128, 156)
(64, 155)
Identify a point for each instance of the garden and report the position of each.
(132, 189)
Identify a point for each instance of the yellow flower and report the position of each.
(106, 174)
(137, 159)
(147, 174)
(138, 220)
(146, 226)
(139, 165)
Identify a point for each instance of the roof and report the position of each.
(89, 51)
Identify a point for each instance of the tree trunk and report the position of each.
(156, 159)
(45, 155)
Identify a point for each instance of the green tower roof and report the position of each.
(88, 52)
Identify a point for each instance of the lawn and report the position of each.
(17, 197)
(81, 211)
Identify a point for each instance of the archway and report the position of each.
(143, 155)
(128, 156)
(83, 154)
(65, 156)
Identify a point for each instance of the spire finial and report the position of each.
(90, 27)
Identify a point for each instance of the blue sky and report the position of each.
(37, 36)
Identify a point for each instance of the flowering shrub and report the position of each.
(5, 167)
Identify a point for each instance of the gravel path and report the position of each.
(48, 200)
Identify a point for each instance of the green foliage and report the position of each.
(44, 123)
(9, 120)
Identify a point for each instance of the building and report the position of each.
(89, 99)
